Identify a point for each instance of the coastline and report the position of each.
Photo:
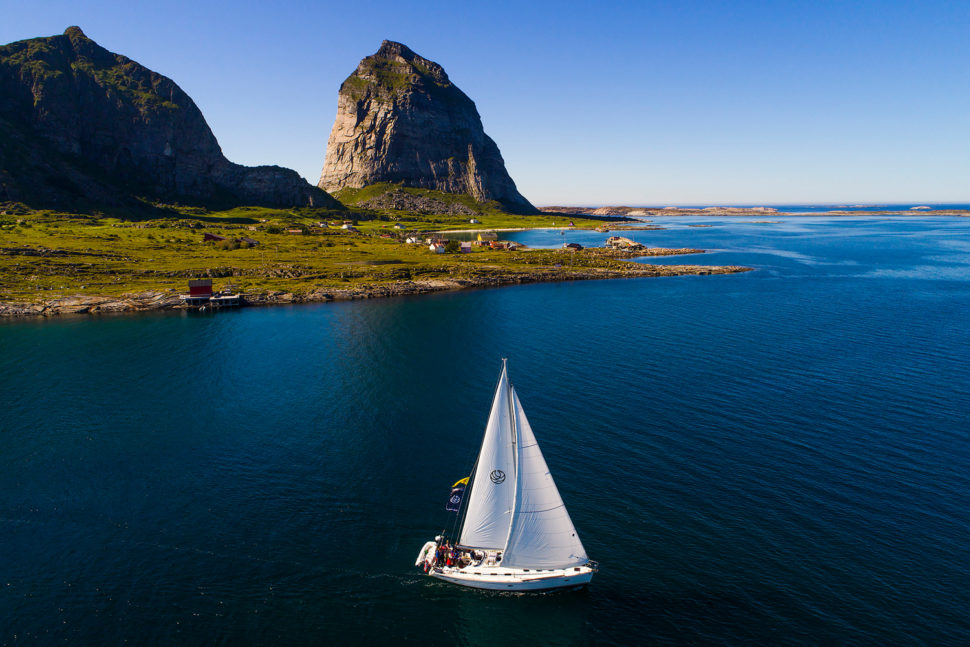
(156, 301)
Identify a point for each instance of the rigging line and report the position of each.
(555, 507)
(462, 511)
(515, 457)
(467, 496)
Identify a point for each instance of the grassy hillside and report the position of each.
(431, 209)
(45, 254)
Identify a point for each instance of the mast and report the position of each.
(515, 460)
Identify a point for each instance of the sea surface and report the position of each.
(776, 457)
(835, 206)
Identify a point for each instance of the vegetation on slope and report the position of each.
(48, 254)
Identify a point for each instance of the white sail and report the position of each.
(489, 513)
(542, 535)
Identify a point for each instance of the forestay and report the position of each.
(490, 504)
(542, 534)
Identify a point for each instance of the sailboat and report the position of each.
(516, 534)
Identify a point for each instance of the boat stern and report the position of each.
(426, 555)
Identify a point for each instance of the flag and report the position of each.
(457, 491)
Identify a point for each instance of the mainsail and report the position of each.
(542, 535)
(492, 498)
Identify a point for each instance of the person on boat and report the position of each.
(442, 553)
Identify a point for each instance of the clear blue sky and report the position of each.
(641, 103)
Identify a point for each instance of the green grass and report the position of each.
(392, 78)
(122, 80)
(48, 254)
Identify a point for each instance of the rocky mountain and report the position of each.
(401, 120)
(81, 124)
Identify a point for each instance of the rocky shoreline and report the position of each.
(154, 300)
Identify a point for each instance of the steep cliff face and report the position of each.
(79, 122)
(400, 119)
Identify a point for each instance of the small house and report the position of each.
(200, 288)
(475, 221)
(398, 225)
(465, 247)
(487, 235)
(412, 240)
(213, 238)
(200, 291)
(573, 246)
(437, 248)
(249, 241)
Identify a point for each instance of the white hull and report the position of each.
(514, 579)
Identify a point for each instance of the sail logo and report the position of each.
(497, 476)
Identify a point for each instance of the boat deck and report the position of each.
(500, 578)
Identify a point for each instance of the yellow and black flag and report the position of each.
(457, 491)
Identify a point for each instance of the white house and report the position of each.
(437, 248)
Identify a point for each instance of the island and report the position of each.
(115, 194)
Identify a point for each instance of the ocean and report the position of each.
(776, 457)
(861, 209)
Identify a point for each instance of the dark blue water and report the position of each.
(778, 457)
(836, 206)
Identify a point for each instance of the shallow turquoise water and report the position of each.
(775, 457)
